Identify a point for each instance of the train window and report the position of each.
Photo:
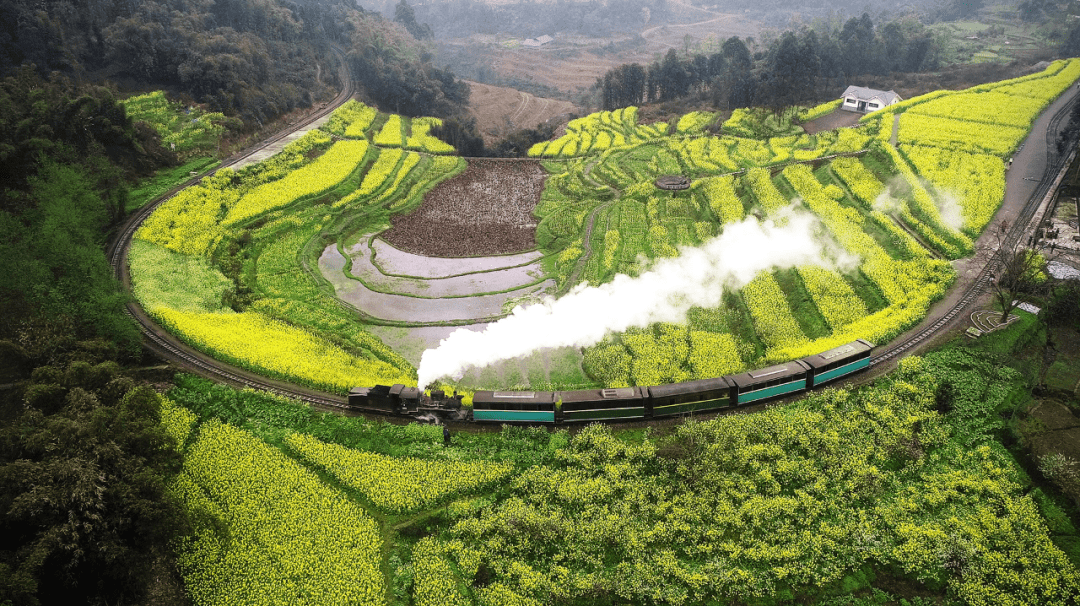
(528, 395)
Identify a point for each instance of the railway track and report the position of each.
(169, 347)
(1054, 161)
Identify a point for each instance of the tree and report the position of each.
(674, 81)
(82, 486)
(740, 81)
(462, 134)
(403, 14)
(1071, 46)
(1018, 270)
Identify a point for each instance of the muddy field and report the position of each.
(498, 274)
(497, 195)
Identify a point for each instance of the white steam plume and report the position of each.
(950, 210)
(662, 294)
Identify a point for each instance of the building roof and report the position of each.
(862, 93)
(542, 40)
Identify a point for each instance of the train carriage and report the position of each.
(691, 396)
(838, 362)
(602, 404)
(514, 406)
(770, 382)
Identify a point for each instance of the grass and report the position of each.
(169, 279)
(811, 322)
(867, 291)
(742, 327)
(1063, 373)
(166, 179)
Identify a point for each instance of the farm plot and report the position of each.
(495, 278)
(396, 262)
(408, 308)
(890, 287)
(466, 250)
(486, 210)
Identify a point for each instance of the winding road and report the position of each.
(1037, 167)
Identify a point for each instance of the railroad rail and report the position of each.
(1054, 165)
(168, 346)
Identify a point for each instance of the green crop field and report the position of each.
(897, 492)
(263, 231)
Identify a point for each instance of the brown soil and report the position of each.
(573, 63)
(498, 195)
(499, 110)
(837, 119)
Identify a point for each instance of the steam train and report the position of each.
(627, 403)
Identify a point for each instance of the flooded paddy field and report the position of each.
(440, 277)
(403, 306)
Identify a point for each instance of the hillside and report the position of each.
(251, 59)
(500, 110)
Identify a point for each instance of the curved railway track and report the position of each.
(169, 347)
(166, 345)
(1019, 227)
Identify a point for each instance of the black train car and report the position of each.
(602, 404)
(384, 398)
(691, 396)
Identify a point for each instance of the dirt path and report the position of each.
(838, 119)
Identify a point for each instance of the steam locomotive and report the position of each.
(627, 403)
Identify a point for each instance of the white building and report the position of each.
(538, 42)
(865, 100)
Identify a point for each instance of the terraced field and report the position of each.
(343, 236)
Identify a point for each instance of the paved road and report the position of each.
(1021, 181)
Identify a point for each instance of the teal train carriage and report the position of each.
(770, 382)
(514, 406)
(838, 362)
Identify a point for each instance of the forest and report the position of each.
(255, 60)
(795, 68)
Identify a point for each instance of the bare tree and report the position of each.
(1019, 270)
